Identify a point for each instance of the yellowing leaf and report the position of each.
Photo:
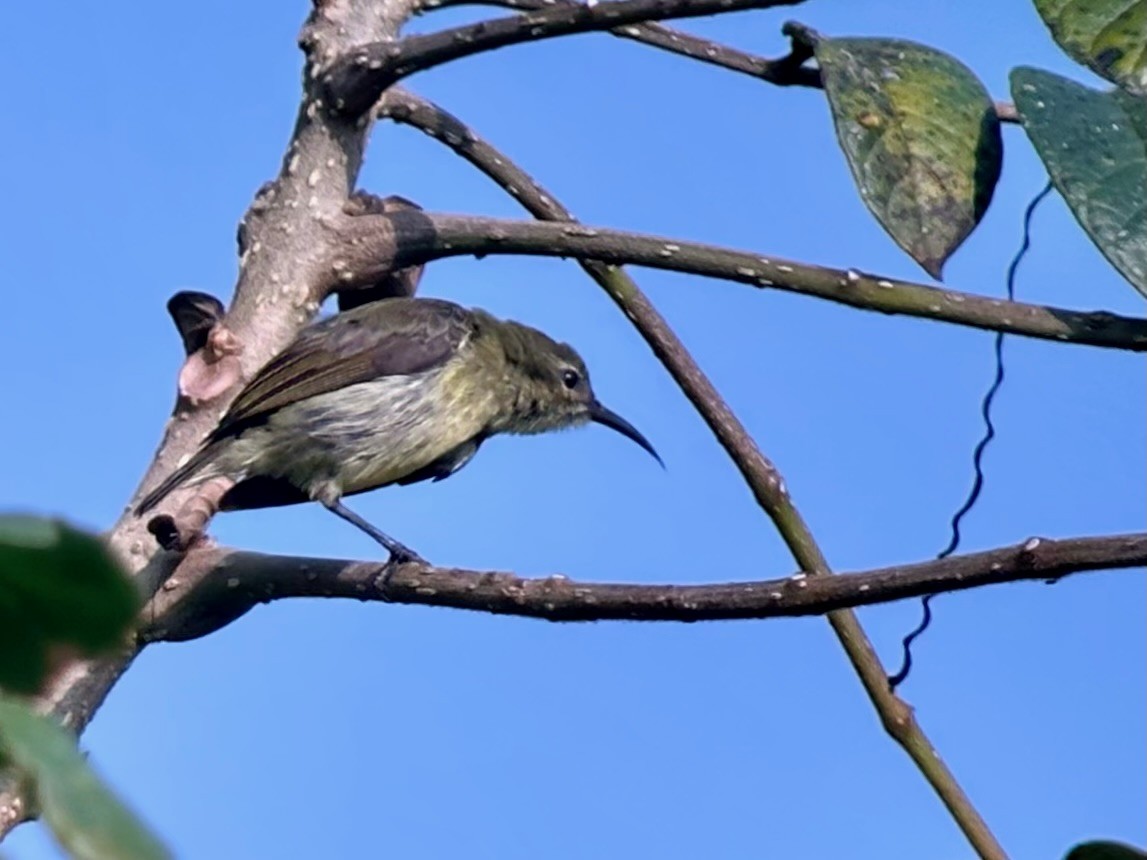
(921, 137)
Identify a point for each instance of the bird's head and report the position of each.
(551, 387)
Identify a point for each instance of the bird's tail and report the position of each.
(187, 473)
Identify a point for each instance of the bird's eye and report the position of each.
(570, 378)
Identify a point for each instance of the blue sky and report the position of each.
(136, 137)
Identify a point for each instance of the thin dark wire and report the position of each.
(978, 454)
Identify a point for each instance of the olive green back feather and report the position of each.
(391, 337)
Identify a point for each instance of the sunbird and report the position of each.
(396, 391)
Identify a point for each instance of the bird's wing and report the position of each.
(392, 337)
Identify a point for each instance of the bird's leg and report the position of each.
(399, 553)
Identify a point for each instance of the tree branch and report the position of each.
(767, 486)
(405, 239)
(787, 71)
(355, 82)
(231, 582)
(281, 246)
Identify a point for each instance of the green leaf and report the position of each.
(1107, 36)
(84, 815)
(1100, 850)
(58, 587)
(921, 136)
(1093, 145)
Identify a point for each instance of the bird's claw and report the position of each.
(400, 555)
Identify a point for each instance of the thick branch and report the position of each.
(281, 245)
(355, 82)
(407, 239)
(233, 582)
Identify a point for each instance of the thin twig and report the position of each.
(768, 488)
(230, 582)
(355, 82)
(787, 71)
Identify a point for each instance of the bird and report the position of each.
(393, 392)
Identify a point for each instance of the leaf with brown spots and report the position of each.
(921, 136)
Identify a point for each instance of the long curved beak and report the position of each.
(611, 419)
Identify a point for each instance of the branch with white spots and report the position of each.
(376, 243)
(354, 82)
(281, 252)
(230, 582)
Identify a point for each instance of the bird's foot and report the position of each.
(401, 554)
